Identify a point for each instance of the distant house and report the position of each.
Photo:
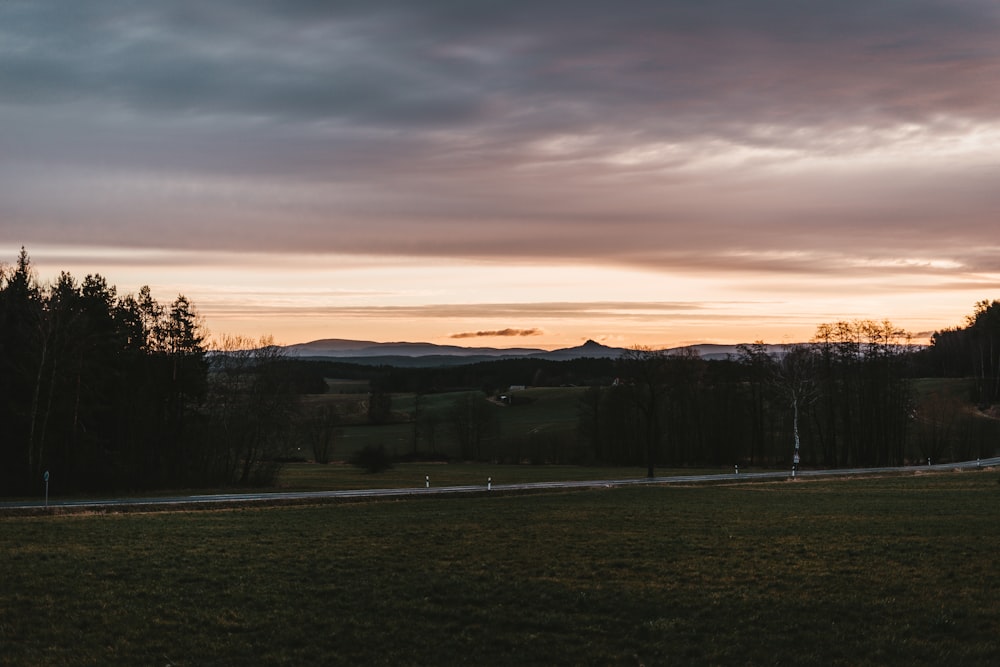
(517, 387)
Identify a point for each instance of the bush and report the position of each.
(372, 458)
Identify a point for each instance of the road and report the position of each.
(180, 502)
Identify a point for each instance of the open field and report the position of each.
(896, 570)
(527, 430)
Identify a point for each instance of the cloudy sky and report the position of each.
(516, 173)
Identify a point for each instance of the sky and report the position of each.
(511, 174)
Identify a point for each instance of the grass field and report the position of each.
(896, 570)
(547, 415)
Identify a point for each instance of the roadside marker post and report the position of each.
(46, 478)
(427, 481)
(489, 484)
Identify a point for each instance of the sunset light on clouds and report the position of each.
(511, 174)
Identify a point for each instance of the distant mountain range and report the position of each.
(424, 354)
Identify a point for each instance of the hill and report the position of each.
(429, 354)
(410, 353)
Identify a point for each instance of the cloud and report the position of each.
(498, 334)
(516, 70)
(720, 136)
(513, 70)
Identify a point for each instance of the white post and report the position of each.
(427, 481)
(489, 484)
(737, 468)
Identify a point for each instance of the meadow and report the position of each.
(893, 570)
(541, 428)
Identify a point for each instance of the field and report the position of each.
(540, 426)
(897, 570)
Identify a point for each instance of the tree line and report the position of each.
(971, 351)
(858, 394)
(848, 394)
(107, 391)
(110, 392)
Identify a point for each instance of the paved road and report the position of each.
(298, 496)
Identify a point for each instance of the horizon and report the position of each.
(510, 339)
(662, 174)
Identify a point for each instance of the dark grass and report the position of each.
(900, 570)
(546, 412)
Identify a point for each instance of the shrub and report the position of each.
(373, 459)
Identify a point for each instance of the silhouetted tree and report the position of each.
(866, 398)
(319, 430)
(379, 401)
(759, 368)
(473, 419)
(252, 406)
(794, 376)
(646, 371)
(984, 328)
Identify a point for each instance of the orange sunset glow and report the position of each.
(511, 175)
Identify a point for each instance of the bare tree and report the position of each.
(253, 405)
(795, 378)
(646, 370)
(473, 419)
(319, 430)
(760, 370)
